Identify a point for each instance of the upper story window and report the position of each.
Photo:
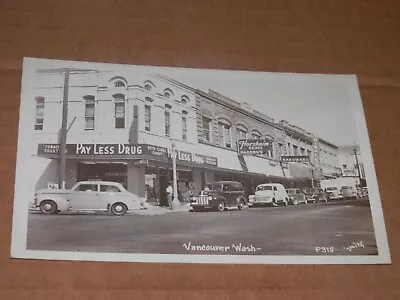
(119, 84)
(184, 128)
(90, 106)
(241, 132)
(225, 134)
(184, 100)
(206, 123)
(256, 135)
(119, 104)
(39, 115)
(167, 120)
(168, 93)
(148, 85)
(147, 117)
(295, 150)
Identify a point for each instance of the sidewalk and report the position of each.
(155, 210)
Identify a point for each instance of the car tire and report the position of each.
(241, 204)
(221, 206)
(118, 209)
(48, 207)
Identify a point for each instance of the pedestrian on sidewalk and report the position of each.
(170, 192)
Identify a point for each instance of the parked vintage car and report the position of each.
(220, 195)
(316, 195)
(269, 193)
(296, 196)
(333, 193)
(348, 192)
(88, 196)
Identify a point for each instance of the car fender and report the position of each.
(241, 197)
(131, 202)
(61, 201)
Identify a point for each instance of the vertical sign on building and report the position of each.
(315, 153)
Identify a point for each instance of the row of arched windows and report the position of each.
(224, 131)
(119, 82)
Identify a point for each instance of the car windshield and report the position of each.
(213, 187)
(264, 188)
(291, 191)
(331, 189)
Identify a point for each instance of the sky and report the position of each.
(318, 104)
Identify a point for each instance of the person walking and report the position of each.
(170, 193)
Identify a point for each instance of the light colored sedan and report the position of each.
(88, 196)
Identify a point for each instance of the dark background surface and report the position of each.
(361, 37)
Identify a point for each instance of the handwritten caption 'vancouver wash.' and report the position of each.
(240, 248)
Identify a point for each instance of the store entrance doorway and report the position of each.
(163, 186)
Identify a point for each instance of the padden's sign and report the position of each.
(126, 151)
(254, 146)
(295, 159)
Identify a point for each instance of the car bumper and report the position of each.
(203, 203)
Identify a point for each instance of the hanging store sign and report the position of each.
(295, 159)
(192, 158)
(254, 146)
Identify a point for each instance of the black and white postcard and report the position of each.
(156, 164)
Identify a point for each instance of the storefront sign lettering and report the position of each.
(295, 158)
(196, 158)
(116, 150)
(113, 149)
(254, 147)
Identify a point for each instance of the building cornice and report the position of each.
(237, 109)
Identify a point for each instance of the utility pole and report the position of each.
(62, 136)
(358, 165)
(63, 131)
(175, 201)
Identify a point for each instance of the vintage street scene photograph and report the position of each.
(140, 160)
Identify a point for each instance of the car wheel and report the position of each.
(48, 207)
(241, 204)
(221, 206)
(118, 209)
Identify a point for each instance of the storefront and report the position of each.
(146, 170)
(143, 169)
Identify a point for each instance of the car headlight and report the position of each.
(209, 198)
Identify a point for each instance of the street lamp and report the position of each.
(175, 202)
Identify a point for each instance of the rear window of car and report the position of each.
(264, 188)
(236, 187)
(109, 188)
(331, 189)
(214, 187)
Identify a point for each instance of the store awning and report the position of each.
(297, 170)
(263, 166)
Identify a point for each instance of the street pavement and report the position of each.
(312, 229)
